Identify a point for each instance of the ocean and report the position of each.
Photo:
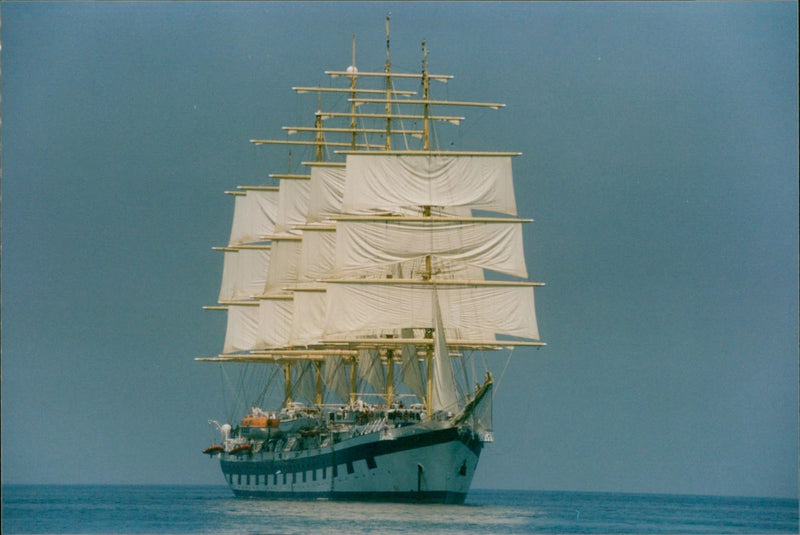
(199, 509)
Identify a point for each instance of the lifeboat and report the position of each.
(259, 420)
(213, 450)
(258, 427)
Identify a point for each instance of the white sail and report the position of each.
(274, 322)
(318, 256)
(305, 384)
(244, 273)
(410, 372)
(371, 370)
(356, 308)
(254, 215)
(283, 264)
(293, 203)
(444, 396)
(317, 253)
(487, 244)
(391, 181)
(309, 316)
(336, 377)
(326, 190)
(230, 271)
(242, 330)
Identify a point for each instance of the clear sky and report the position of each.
(660, 164)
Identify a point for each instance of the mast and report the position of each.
(389, 377)
(429, 375)
(426, 98)
(353, 94)
(287, 386)
(320, 138)
(318, 383)
(426, 212)
(353, 380)
(388, 71)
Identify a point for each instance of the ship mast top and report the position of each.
(388, 70)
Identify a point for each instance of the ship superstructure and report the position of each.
(364, 285)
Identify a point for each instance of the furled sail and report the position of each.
(390, 181)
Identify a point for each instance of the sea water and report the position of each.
(175, 510)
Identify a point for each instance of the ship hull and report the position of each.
(412, 464)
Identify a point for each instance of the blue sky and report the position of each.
(659, 162)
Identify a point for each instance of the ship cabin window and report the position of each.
(324, 472)
(239, 479)
(248, 479)
(371, 464)
(284, 478)
(275, 478)
(304, 476)
(294, 477)
(335, 471)
(350, 469)
(314, 474)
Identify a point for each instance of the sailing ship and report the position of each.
(366, 286)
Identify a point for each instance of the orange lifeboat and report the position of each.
(259, 421)
(213, 450)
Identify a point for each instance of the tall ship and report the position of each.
(363, 293)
